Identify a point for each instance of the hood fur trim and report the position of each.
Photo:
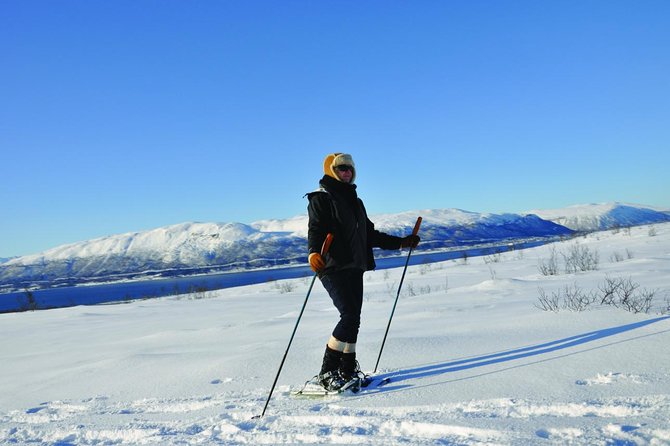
(337, 159)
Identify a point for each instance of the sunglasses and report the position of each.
(344, 168)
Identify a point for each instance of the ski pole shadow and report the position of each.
(397, 377)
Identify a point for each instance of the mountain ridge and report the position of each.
(604, 216)
(195, 247)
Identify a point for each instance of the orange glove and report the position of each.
(410, 241)
(316, 262)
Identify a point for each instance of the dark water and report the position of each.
(119, 292)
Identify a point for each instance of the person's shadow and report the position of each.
(397, 377)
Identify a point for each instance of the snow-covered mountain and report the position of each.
(440, 227)
(599, 217)
(183, 248)
(191, 248)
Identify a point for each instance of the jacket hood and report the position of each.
(338, 159)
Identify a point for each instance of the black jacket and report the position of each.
(336, 208)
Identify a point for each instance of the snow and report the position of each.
(181, 239)
(601, 216)
(393, 222)
(296, 225)
(443, 217)
(472, 360)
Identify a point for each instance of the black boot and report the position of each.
(349, 368)
(330, 377)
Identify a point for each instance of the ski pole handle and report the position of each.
(326, 244)
(417, 225)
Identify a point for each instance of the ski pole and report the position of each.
(324, 250)
(414, 232)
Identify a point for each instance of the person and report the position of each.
(335, 208)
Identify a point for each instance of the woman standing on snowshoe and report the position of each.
(335, 208)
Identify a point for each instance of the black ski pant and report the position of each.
(345, 288)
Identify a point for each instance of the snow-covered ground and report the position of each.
(471, 357)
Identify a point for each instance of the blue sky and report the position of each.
(119, 116)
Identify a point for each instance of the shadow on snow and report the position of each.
(399, 376)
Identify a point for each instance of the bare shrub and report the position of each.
(285, 286)
(581, 258)
(391, 289)
(571, 297)
(547, 303)
(493, 258)
(618, 292)
(575, 299)
(616, 257)
(30, 303)
(666, 306)
(640, 302)
(199, 292)
(549, 267)
(623, 293)
(652, 231)
(425, 289)
(409, 289)
(425, 268)
(626, 292)
(609, 290)
(203, 295)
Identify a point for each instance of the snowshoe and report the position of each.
(331, 381)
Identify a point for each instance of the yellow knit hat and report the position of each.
(338, 159)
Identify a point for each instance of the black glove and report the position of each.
(411, 241)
